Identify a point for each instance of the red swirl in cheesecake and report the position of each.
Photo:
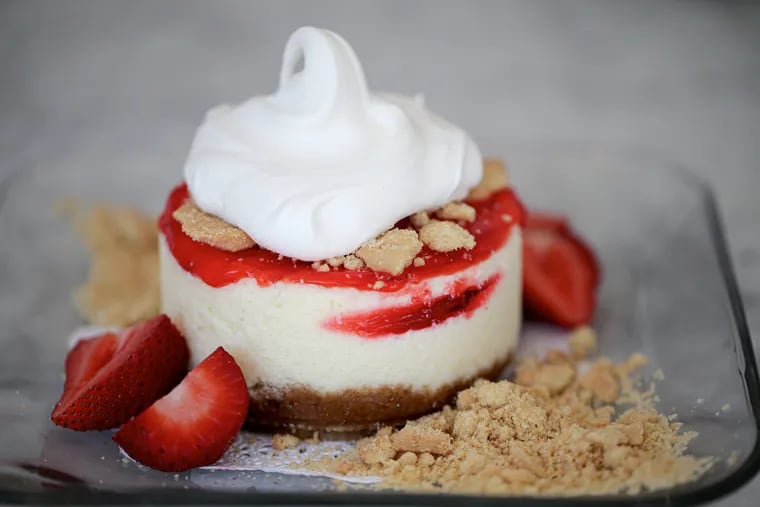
(218, 268)
(420, 314)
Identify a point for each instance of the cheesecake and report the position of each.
(352, 251)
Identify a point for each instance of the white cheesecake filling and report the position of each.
(276, 333)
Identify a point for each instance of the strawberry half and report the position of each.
(112, 377)
(195, 423)
(560, 272)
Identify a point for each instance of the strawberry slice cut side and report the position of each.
(560, 272)
(113, 377)
(195, 423)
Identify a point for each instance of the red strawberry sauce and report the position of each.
(218, 268)
(495, 217)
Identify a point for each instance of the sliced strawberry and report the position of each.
(546, 221)
(112, 377)
(560, 272)
(553, 225)
(195, 423)
(86, 359)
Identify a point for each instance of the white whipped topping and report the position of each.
(323, 165)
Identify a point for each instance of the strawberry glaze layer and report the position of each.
(495, 217)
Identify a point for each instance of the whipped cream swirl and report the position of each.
(323, 165)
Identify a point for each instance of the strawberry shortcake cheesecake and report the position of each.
(351, 250)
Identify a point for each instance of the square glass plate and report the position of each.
(668, 291)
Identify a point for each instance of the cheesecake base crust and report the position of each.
(301, 409)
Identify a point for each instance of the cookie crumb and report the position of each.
(634, 362)
(418, 262)
(600, 379)
(352, 262)
(408, 458)
(336, 262)
(444, 236)
(392, 252)
(494, 178)
(420, 439)
(282, 441)
(320, 266)
(553, 377)
(582, 342)
(457, 211)
(379, 284)
(206, 228)
(420, 219)
(375, 449)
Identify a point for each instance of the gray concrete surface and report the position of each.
(678, 78)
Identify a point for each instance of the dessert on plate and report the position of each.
(351, 250)
(333, 260)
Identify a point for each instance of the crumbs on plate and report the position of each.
(122, 285)
(556, 430)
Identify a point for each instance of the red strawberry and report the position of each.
(560, 272)
(112, 377)
(195, 423)
(546, 221)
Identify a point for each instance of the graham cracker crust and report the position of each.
(301, 408)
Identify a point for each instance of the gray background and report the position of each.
(105, 80)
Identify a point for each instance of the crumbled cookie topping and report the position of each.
(420, 219)
(444, 236)
(553, 431)
(211, 230)
(494, 178)
(457, 211)
(391, 252)
(122, 286)
(320, 266)
(336, 262)
(352, 262)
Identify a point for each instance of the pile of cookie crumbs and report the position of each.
(122, 285)
(558, 429)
